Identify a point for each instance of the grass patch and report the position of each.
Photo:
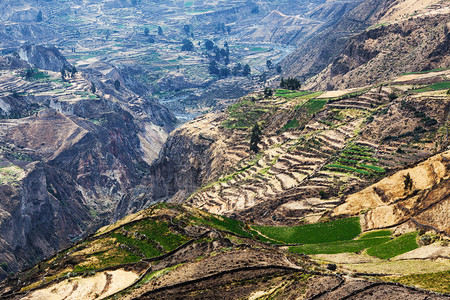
(292, 124)
(224, 223)
(373, 168)
(290, 94)
(438, 282)
(443, 85)
(425, 72)
(338, 230)
(315, 105)
(258, 49)
(339, 247)
(244, 114)
(402, 244)
(374, 234)
(343, 167)
(159, 231)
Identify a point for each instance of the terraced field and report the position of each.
(171, 249)
(314, 150)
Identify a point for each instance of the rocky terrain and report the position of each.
(170, 250)
(67, 153)
(375, 41)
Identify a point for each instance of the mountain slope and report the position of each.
(171, 250)
(67, 155)
(309, 157)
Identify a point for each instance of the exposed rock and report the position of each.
(392, 202)
(382, 53)
(47, 58)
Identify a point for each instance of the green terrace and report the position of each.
(356, 159)
(161, 230)
(245, 114)
(443, 85)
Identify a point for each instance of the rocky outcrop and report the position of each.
(312, 57)
(382, 53)
(33, 221)
(419, 195)
(47, 58)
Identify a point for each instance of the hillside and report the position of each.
(170, 250)
(67, 154)
(374, 42)
(315, 148)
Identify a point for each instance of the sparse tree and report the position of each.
(117, 84)
(255, 138)
(213, 68)
(146, 31)
(279, 69)
(392, 96)
(28, 74)
(290, 83)
(209, 45)
(236, 69)
(63, 74)
(269, 64)
(39, 17)
(408, 182)
(187, 45)
(268, 92)
(255, 10)
(187, 29)
(73, 71)
(160, 30)
(247, 70)
(93, 88)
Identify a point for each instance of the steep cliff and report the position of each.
(68, 154)
(47, 58)
(312, 57)
(418, 44)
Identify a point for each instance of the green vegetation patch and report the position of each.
(439, 282)
(141, 245)
(290, 94)
(374, 234)
(357, 159)
(425, 72)
(244, 114)
(224, 223)
(339, 247)
(443, 85)
(160, 232)
(292, 124)
(338, 230)
(348, 168)
(315, 105)
(402, 244)
(258, 49)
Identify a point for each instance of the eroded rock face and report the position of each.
(47, 58)
(34, 222)
(419, 194)
(66, 159)
(381, 53)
